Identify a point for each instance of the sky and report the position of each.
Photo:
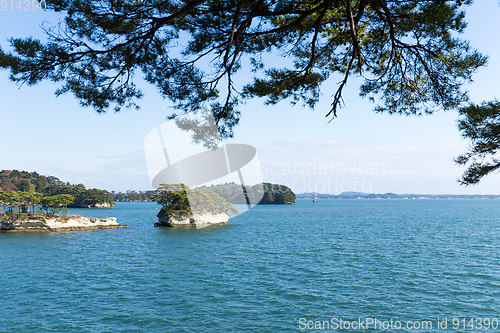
(298, 147)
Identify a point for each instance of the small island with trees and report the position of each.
(185, 207)
(24, 209)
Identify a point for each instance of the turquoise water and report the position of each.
(406, 260)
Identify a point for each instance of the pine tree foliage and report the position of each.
(407, 52)
(481, 125)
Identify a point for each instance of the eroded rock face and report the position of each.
(103, 205)
(193, 221)
(70, 223)
(22, 225)
(5, 225)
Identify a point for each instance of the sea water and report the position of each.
(277, 268)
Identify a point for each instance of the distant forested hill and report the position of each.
(273, 193)
(26, 181)
(362, 195)
(14, 180)
(133, 195)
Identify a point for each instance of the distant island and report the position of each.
(363, 195)
(32, 182)
(231, 192)
(134, 196)
(272, 193)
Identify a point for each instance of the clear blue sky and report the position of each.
(360, 150)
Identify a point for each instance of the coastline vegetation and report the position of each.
(20, 205)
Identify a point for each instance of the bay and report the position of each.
(276, 268)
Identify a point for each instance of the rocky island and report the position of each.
(184, 207)
(29, 211)
(57, 223)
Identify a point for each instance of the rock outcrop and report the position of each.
(61, 223)
(194, 220)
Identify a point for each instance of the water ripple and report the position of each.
(349, 259)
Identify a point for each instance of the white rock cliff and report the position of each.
(66, 223)
(194, 221)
